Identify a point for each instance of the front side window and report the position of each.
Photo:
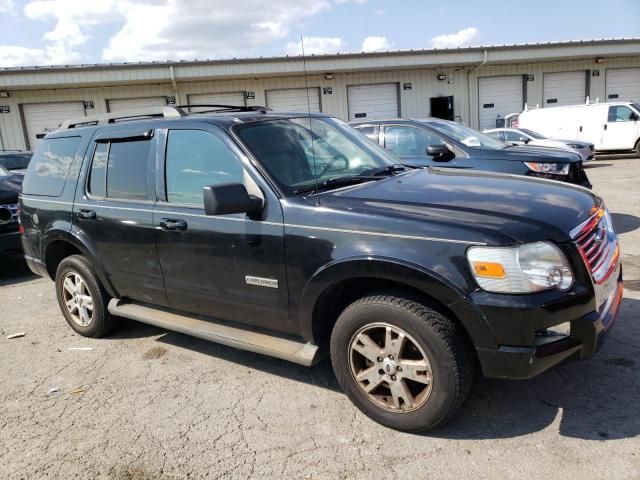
(467, 136)
(370, 132)
(510, 136)
(409, 141)
(620, 113)
(300, 151)
(196, 159)
(119, 170)
(48, 170)
(498, 135)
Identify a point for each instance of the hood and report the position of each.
(537, 153)
(490, 207)
(10, 186)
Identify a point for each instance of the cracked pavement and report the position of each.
(146, 403)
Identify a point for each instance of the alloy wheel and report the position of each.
(77, 299)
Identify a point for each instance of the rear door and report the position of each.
(228, 266)
(410, 145)
(114, 211)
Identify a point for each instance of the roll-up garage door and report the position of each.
(623, 84)
(564, 88)
(373, 102)
(226, 98)
(499, 96)
(133, 105)
(294, 100)
(45, 117)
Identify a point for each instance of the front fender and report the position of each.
(415, 276)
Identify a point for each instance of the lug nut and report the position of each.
(379, 359)
(390, 357)
(393, 377)
(399, 368)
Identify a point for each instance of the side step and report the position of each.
(298, 352)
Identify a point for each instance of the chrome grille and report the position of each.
(8, 213)
(598, 245)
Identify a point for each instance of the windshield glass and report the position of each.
(636, 106)
(467, 136)
(297, 156)
(15, 162)
(533, 134)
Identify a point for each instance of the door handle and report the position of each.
(87, 214)
(605, 126)
(173, 224)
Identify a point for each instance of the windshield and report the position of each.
(15, 162)
(533, 134)
(467, 136)
(636, 106)
(297, 156)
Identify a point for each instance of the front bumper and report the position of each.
(549, 348)
(10, 243)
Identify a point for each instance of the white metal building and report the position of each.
(479, 85)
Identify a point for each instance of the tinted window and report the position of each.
(98, 175)
(196, 159)
(510, 136)
(620, 113)
(127, 170)
(15, 162)
(370, 132)
(408, 141)
(50, 166)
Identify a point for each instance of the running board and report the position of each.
(305, 354)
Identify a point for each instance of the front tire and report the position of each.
(81, 297)
(403, 364)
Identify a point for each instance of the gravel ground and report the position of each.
(145, 403)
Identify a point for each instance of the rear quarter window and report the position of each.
(49, 167)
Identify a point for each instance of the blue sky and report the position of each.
(97, 31)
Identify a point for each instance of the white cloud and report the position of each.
(461, 38)
(7, 6)
(316, 45)
(375, 44)
(14, 56)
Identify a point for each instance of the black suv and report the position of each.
(435, 142)
(294, 235)
(9, 228)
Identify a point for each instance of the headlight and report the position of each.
(552, 168)
(522, 269)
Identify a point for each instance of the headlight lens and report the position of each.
(552, 168)
(522, 269)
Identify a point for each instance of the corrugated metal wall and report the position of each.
(414, 101)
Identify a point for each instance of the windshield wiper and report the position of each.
(338, 182)
(390, 169)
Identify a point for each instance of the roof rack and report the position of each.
(169, 111)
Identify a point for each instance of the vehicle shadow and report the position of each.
(595, 399)
(593, 164)
(14, 270)
(624, 222)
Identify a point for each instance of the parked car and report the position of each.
(436, 142)
(523, 136)
(609, 126)
(9, 228)
(292, 235)
(15, 161)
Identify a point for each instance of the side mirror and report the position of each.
(525, 140)
(634, 116)
(439, 152)
(226, 198)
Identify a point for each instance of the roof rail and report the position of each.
(168, 111)
(227, 108)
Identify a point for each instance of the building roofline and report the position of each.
(343, 56)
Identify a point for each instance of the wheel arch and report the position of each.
(333, 287)
(59, 244)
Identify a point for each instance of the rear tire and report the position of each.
(417, 372)
(637, 149)
(82, 299)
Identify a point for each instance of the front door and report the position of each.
(410, 145)
(621, 130)
(229, 267)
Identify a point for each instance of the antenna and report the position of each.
(306, 86)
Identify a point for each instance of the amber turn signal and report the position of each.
(489, 269)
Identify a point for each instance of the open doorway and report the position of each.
(442, 107)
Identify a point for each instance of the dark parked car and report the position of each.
(9, 228)
(294, 235)
(15, 161)
(436, 142)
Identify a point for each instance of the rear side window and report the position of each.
(49, 168)
(119, 170)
